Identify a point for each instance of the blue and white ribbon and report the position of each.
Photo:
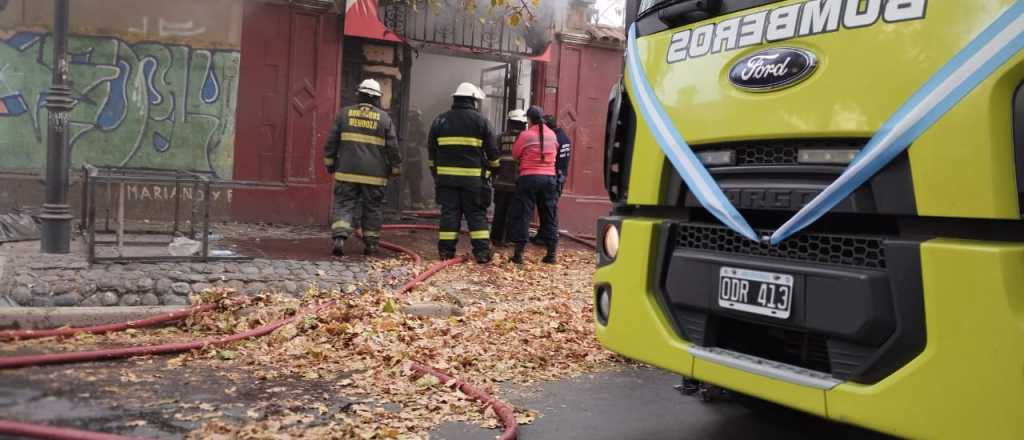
(990, 50)
(677, 150)
(999, 42)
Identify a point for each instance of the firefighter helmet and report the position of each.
(370, 87)
(468, 90)
(517, 115)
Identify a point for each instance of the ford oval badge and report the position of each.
(772, 69)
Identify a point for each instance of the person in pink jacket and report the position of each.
(536, 149)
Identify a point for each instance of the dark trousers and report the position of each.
(456, 202)
(535, 192)
(503, 201)
(358, 204)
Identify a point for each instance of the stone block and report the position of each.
(131, 300)
(22, 295)
(290, 287)
(61, 287)
(201, 287)
(41, 288)
(144, 284)
(255, 288)
(174, 300)
(432, 310)
(110, 282)
(41, 301)
(150, 299)
(108, 298)
(163, 286)
(67, 300)
(177, 275)
(180, 289)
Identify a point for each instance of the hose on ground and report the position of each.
(433, 269)
(107, 328)
(32, 430)
(504, 411)
(117, 353)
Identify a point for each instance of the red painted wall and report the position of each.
(576, 84)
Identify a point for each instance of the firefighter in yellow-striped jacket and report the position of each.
(361, 152)
(463, 151)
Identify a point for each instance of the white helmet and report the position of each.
(468, 90)
(370, 87)
(517, 115)
(480, 94)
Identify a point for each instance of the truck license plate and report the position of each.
(754, 291)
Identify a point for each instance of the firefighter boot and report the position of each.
(339, 247)
(517, 258)
(482, 257)
(550, 258)
(370, 248)
(446, 254)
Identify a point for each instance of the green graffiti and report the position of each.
(139, 105)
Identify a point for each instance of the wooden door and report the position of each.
(288, 95)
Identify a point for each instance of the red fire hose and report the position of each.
(435, 268)
(99, 329)
(116, 353)
(505, 412)
(51, 432)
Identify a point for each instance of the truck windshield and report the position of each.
(674, 13)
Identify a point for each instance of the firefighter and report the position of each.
(463, 149)
(536, 150)
(361, 152)
(505, 177)
(412, 160)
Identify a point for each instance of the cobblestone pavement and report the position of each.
(30, 279)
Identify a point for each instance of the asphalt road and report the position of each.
(641, 404)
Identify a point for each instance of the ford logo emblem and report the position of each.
(772, 69)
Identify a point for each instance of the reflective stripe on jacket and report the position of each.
(362, 146)
(462, 147)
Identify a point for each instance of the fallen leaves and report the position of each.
(519, 325)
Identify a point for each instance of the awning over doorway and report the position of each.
(363, 20)
(544, 57)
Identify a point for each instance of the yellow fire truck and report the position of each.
(819, 203)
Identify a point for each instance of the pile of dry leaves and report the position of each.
(508, 325)
(512, 325)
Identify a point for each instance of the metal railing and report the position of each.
(448, 24)
(116, 181)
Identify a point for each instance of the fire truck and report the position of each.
(818, 203)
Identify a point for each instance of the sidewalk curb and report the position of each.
(35, 318)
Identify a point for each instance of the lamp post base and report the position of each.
(55, 229)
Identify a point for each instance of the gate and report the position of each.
(286, 104)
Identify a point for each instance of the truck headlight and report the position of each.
(826, 157)
(604, 303)
(611, 241)
(717, 158)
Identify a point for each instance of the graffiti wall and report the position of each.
(143, 104)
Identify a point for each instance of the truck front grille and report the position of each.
(777, 152)
(843, 250)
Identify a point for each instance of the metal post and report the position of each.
(56, 214)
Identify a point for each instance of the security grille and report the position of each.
(843, 250)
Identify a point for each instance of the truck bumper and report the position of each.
(967, 382)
